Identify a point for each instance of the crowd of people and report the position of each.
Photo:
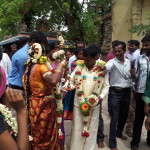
(46, 85)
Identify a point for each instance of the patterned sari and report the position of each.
(42, 111)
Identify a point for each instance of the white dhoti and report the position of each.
(84, 143)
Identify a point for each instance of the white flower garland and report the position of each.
(59, 55)
(87, 98)
(9, 119)
(56, 92)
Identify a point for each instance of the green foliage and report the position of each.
(82, 23)
(141, 29)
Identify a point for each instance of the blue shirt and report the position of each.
(18, 69)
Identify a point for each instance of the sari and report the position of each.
(146, 95)
(69, 99)
(3, 81)
(42, 111)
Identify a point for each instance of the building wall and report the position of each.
(127, 13)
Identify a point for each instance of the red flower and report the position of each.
(78, 73)
(85, 134)
(61, 137)
(101, 74)
(91, 100)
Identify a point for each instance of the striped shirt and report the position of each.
(142, 66)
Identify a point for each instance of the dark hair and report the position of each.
(71, 50)
(146, 38)
(78, 49)
(50, 46)
(92, 50)
(115, 41)
(79, 42)
(14, 45)
(121, 43)
(28, 71)
(134, 42)
(39, 37)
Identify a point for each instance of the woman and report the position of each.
(17, 102)
(39, 82)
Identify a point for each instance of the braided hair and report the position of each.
(35, 51)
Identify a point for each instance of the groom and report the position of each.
(88, 78)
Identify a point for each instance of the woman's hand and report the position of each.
(15, 99)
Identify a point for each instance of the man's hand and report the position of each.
(99, 68)
(147, 123)
(146, 108)
(100, 100)
(133, 73)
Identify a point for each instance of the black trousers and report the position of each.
(138, 122)
(100, 134)
(119, 107)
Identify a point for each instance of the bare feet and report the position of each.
(101, 145)
(123, 137)
(134, 148)
(129, 134)
(114, 149)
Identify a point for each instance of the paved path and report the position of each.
(122, 145)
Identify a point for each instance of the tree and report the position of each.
(81, 19)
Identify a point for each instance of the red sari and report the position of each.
(42, 111)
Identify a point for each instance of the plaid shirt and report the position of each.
(142, 66)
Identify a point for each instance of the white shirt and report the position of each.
(119, 73)
(6, 63)
(142, 66)
(71, 59)
(132, 56)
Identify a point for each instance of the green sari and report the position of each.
(146, 96)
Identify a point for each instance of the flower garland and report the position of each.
(59, 55)
(87, 98)
(9, 119)
(56, 92)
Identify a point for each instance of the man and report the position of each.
(133, 51)
(132, 54)
(14, 49)
(111, 54)
(90, 125)
(5, 63)
(119, 93)
(79, 44)
(142, 68)
(19, 59)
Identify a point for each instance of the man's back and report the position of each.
(17, 71)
